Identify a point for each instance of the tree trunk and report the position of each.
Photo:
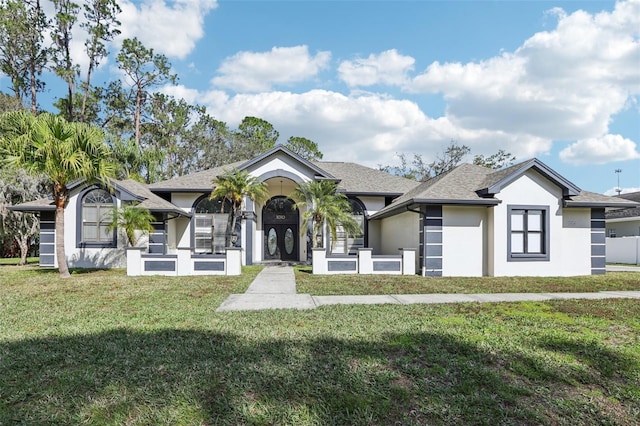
(63, 268)
(137, 117)
(23, 243)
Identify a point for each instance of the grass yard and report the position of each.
(105, 349)
(16, 260)
(324, 285)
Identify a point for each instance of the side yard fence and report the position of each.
(623, 250)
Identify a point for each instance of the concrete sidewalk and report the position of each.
(275, 288)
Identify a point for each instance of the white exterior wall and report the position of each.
(463, 241)
(399, 231)
(88, 257)
(569, 231)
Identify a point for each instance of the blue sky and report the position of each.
(369, 79)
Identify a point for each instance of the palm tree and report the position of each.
(234, 186)
(131, 219)
(62, 152)
(322, 205)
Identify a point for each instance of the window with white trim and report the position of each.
(97, 216)
(528, 233)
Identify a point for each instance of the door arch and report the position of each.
(281, 224)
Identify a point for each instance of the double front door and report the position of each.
(281, 232)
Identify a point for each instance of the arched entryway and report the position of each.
(281, 224)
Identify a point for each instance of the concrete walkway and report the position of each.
(275, 288)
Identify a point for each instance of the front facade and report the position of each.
(470, 221)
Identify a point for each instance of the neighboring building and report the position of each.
(470, 221)
(624, 222)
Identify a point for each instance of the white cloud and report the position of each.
(389, 67)
(365, 128)
(614, 191)
(170, 27)
(602, 150)
(561, 84)
(259, 71)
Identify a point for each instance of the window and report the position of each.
(528, 233)
(349, 244)
(97, 210)
(210, 225)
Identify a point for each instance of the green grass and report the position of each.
(15, 260)
(105, 349)
(322, 285)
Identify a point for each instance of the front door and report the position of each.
(280, 223)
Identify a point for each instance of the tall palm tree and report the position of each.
(132, 218)
(62, 152)
(234, 186)
(322, 204)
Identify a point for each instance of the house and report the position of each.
(623, 232)
(624, 222)
(470, 221)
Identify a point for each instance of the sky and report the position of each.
(367, 80)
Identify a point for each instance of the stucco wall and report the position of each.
(399, 231)
(569, 231)
(463, 238)
(84, 257)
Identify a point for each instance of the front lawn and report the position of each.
(105, 349)
(324, 285)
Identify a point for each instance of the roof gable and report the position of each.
(316, 171)
(496, 181)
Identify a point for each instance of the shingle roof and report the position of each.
(147, 198)
(135, 189)
(195, 182)
(475, 185)
(359, 179)
(631, 212)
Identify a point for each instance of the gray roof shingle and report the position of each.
(359, 179)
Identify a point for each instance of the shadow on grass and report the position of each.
(197, 377)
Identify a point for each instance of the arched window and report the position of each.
(97, 215)
(210, 224)
(349, 244)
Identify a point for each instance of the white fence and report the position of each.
(623, 250)
(364, 263)
(184, 262)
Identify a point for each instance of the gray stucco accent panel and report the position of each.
(47, 249)
(434, 263)
(386, 265)
(336, 266)
(208, 266)
(249, 223)
(431, 240)
(598, 241)
(47, 239)
(159, 266)
(434, 237)
(598, 250)
(434, 250)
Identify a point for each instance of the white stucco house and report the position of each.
(470, 221)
